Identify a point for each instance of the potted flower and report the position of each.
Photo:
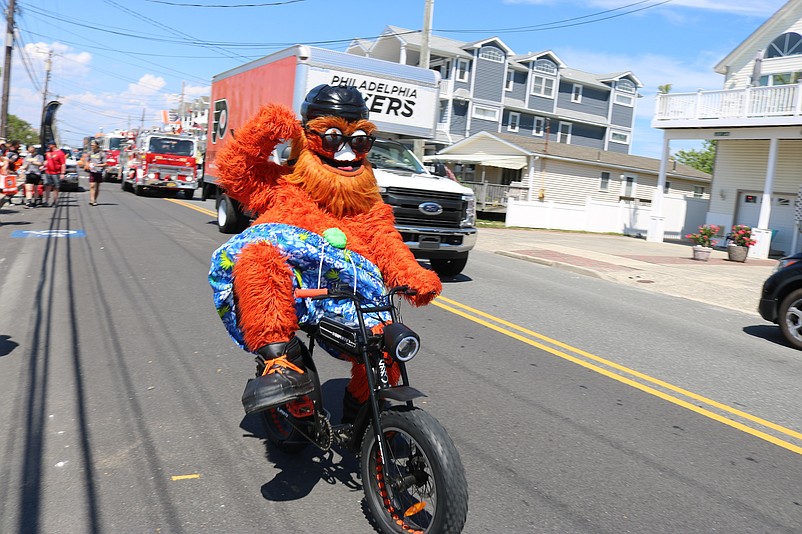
(704, 241)
(740, 239)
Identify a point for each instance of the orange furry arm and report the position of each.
(393, 258)
(264, 292)
(245, 170)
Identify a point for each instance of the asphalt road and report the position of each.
(578, 405)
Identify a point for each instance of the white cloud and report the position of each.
(148, 84)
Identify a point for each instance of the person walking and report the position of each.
(14, 162)
(55, 167)
(95, 162)
(32, 167)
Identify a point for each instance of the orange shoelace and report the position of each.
(277, 365)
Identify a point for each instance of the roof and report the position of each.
(511, 150)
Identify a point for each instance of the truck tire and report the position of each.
(448, 267)
(229, 218)
(139, 190)
(188, 194)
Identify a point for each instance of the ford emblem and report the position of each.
(430, 208)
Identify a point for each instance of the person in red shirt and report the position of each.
(55, 167)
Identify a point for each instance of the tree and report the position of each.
(21, 131)
(664, 89)
(702, 160)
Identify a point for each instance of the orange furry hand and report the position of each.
(273, 124)
(428, 286)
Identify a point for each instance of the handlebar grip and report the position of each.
(306, 293)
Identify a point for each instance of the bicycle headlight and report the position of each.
(401, 342)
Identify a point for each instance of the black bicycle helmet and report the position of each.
(345, 102)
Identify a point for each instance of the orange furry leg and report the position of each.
(264, 292)
(358, 386)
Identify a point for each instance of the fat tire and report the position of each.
(448, 267)
(790, 318)
(450, 486)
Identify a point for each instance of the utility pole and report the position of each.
(48, 66)
(7, 68)
(424, 60)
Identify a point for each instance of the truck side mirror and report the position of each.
(440, 169)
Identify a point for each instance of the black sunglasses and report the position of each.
(334, 142)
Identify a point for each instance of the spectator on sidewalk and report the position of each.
(55, 167)
(32, 167)
(95, 162)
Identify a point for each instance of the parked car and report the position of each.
(70, 181)
(781, 298)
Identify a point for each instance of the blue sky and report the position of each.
(113, 60)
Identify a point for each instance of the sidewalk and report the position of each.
(662, 267)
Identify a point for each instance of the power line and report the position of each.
(266, 4)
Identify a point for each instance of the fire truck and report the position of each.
(111, 143)
(160, 161)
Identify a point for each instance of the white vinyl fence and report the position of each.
(683, 215)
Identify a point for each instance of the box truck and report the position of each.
(435, 215)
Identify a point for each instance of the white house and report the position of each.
(756, 120)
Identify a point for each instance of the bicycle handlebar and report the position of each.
(339, 292)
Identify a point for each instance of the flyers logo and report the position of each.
(220, 120)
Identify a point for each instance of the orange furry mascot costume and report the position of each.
(327, 186)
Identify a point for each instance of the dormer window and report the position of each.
(545, 66)
(491, 53)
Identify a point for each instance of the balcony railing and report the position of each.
(749, 103)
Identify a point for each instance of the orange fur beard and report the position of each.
(340, 193)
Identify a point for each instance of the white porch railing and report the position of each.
(778, 101)
(489, 197)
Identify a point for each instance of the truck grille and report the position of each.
(405, 203)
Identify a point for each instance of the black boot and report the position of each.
(351, 408)
(283, 379)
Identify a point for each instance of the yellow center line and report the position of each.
(191, 206)
(184, 477)
(439, 302)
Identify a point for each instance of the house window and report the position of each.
(508, 85)
(546, 67)
(564, 135)
(491, 53)
(462, 68)
(604, 182)
(666, 187)
(698, 191)
(576, 94)
(488, 114)
(619, 137)
(625, 93)
(465, 173)
(787, 44)
(540, 126)
(514, 121)
(543, 86)
(443, 116)
(510, 175)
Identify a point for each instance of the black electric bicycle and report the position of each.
(412, 475)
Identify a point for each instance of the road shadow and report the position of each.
(6, 345)
(297, 474)
(770, 333)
